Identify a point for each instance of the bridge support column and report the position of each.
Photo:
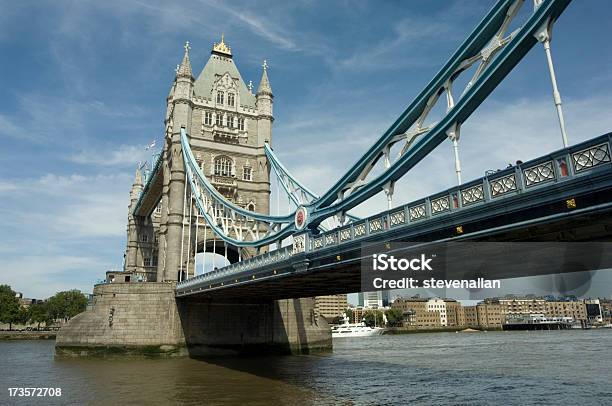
(288, 326)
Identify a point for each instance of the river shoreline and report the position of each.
(27, 335)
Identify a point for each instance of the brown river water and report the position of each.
(498, 368)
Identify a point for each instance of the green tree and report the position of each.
(67, 304)
(38, 313)
(394, 317)
(349, 314)
(10, 309)
(373, 318)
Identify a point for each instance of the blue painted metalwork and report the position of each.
(567, 164)
(502, 55)
(148, 181)
(211, 203)
(289, 182)
(491, 76)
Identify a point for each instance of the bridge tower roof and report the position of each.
(219, 63)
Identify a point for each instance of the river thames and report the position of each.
(522, 368)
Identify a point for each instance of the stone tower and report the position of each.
(227, 127)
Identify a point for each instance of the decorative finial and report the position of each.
(265, 65)
(187, 46)
(251, 86)
(222, 47)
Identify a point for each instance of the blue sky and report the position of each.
(84, 86)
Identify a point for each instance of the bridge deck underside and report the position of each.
(151, 195)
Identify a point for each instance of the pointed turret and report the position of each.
(137, 186)
(184, 69)
(264, 84)
(265, 116)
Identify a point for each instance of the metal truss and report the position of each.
(495, 51)
(298, 194)
(235, 225)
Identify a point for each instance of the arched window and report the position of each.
(219, 97)
(241, 123)
(230, 121)
(251, 206)
(230, 99)
(223, 166)
(219, 119)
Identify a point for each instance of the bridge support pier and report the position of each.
(288, 326)
(147, 319)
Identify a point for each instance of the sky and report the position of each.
(84, 83)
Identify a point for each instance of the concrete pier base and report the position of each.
(146, 319)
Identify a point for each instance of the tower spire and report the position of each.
(184, 69)
(138, 184)
(264, 84)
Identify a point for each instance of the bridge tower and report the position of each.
(227, 126)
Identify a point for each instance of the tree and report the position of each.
(38, 313)
(67, 304)
(373, 318)
(394, 317)
(10, 308)
(337, 320)
(349, 315)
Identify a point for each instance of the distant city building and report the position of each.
(373, 300)
(593, 311)
(606, 310)
(438, 305)
(331, 306)
(492, 313)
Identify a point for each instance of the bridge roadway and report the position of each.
(563, 196)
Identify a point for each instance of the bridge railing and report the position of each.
(275, 256)
(559, 166)
(556, 167)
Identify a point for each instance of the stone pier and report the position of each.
(146, 319)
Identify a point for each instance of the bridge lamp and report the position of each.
(459, 229)
(571, 203)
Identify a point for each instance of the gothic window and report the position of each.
(154, 261)
(158, 209)
(251, 206)
(219, 97)
(241, 123)
(208, 118)
(223, 166)
(230, 121)
(230, 99)
(219, 119)
(247, 173)
(147, 261)
(144, 238)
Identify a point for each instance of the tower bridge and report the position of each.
(209, 191)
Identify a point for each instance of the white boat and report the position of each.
(355, 330)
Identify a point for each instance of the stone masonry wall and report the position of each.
(145, 318)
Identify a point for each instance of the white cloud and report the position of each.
(123, 155)
(497, 134)
(42, 276)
